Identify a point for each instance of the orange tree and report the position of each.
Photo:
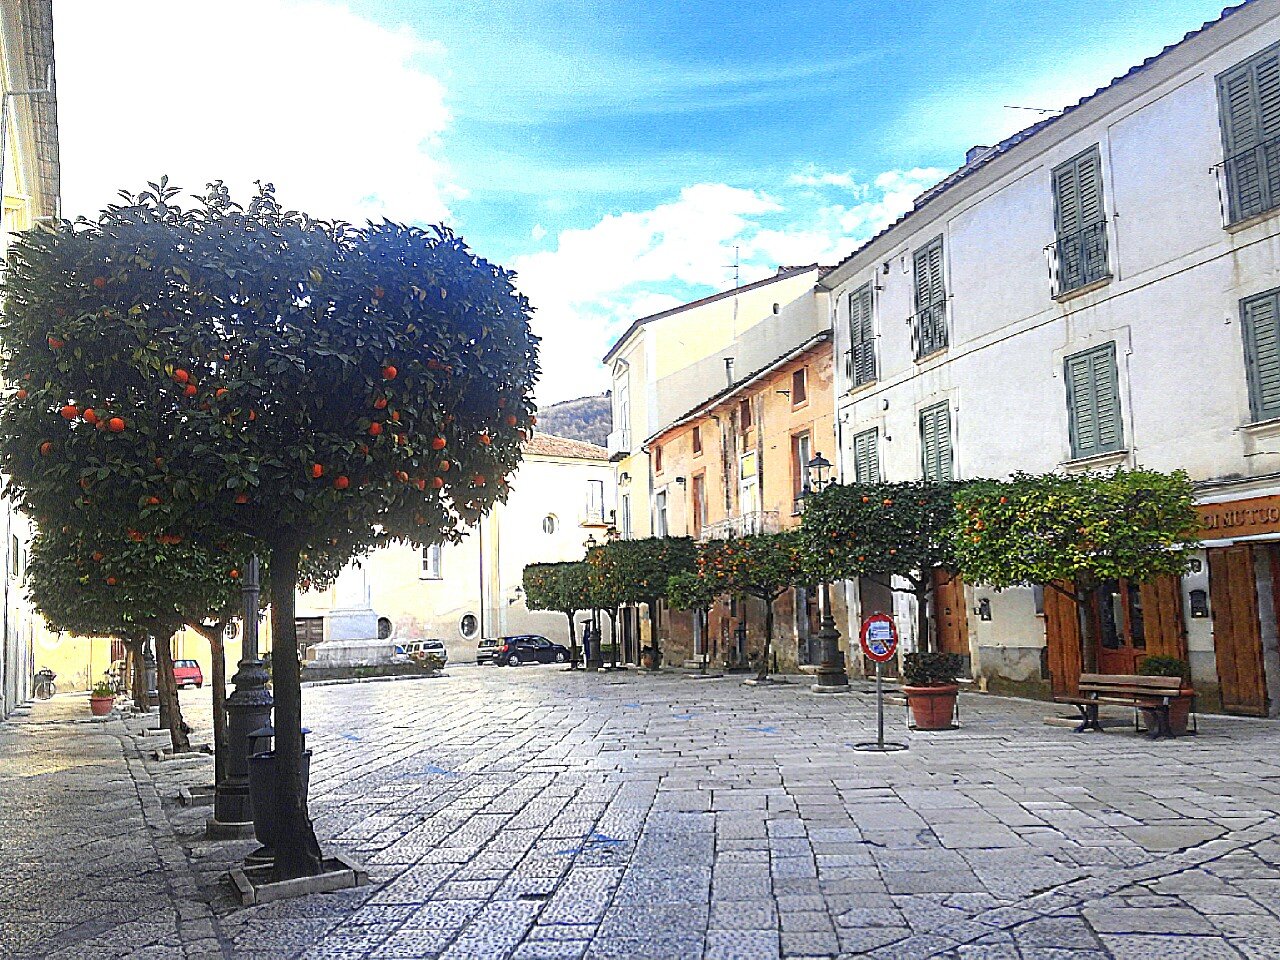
(118, 583)
(642, 569)
(887, 532)
(696, 593)
(562, 587)
(1071, 532)
(214, 369)
(605, 590)
(763, 566)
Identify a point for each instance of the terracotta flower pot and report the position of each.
(932, 707)
(1179, 713)
(101, 706)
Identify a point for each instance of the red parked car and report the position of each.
(187, 673)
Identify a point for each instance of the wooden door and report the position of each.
(949, 613)
(1062, 636)
(1118, 627)
(1237, 635)
(1165, 627)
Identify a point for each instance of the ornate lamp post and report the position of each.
(832, 676)
(591, 635)
(248, 709)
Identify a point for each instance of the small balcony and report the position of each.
(592, 517)
(1249, 183)
(1078, 260)
(758, 521)
(619, 444)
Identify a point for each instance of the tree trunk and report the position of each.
(572, 640)
(218, 681)
(613, 635)
(655, 618)
(297, 850)
(762, 672)
(1088, 649)
(922, 616)
(168, 688)
(137, 673)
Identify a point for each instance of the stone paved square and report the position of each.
(537, 813)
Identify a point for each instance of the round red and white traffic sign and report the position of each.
(879, 637)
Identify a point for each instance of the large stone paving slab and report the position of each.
(537, 813)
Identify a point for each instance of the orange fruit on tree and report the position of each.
(46, 448)
(866, 499)
(402, 476)
(484, 439)
(478, 480)
(116, 424)
(97, 556)
(389, 372)
(153, 501)
(888, 502)
(99, 282)
(235, 574)
(56, 343)
(364, 449)
(317, 471)
(439, 443)
(421, 483)
(375, 429)
(111, 581)
(189, 390)
(21, 394)
(444, 466)
(70, 411)
(401, 439)
(511, 420)
(253, 415)
(221, 392)
(341, 482)
(242, 498)
(437, 482)
(181, 376)
(395, 416)
(90, 416)
(380, 403)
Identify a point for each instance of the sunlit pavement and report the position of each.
(538, 813)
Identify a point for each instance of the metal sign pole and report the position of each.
(879, 646)
(879, 705)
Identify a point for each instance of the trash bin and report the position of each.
(263, 785)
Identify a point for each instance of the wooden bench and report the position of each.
(1151, 693)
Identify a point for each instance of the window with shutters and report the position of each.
(799, 386)
(1079, 217)
(860, 361)
(929, 326)
(1260, 318)
(801, 454)
(935, 442)
(1093, 402)
(866, 457)
(1249, 113)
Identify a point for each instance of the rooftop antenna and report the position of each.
(737, 281)
(1011, 106)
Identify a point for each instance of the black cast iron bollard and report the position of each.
(248, 709)
(832, 676)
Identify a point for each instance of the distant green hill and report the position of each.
(587, 418)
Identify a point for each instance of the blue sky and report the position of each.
(614, 153)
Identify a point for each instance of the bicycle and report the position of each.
(45, 687)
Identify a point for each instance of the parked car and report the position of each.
(187, 673)
(417, 649)
(487, 650)
(529, 648)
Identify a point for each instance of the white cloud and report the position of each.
(332, 108)
(598, 280)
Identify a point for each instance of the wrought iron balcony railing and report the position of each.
(758, 521)
(860, 363)
(1249, 182)
(929, 329)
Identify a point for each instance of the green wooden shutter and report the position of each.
(1249, 111)
(1261, 321)
(1093, 402)
(930, 330)
(866, 458)
(935, 442)
(862, 356)
(1079, 214)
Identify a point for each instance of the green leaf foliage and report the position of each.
(562, 587)
(218, 368)
(879, 529)
(691, 591)
(1083, 528)
(643, 567)
(761, 565)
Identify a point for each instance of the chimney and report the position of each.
(728, 371)
(974, 154)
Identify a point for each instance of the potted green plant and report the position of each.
(929, 683)
(1179, 706)
(101, 698)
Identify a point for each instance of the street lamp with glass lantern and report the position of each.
(591, 635)
(832, 676)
